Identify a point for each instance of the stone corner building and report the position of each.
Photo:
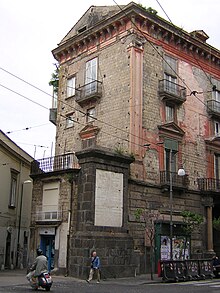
(138, 98)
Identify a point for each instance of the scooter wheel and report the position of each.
(47, 288)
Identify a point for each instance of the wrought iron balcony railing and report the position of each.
(172, 91)
(57, 163)
(92, 90)
(213, 107)
(181, 182)
(209, 184)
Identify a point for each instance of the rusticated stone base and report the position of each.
(116, 254)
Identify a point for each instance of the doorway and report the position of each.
(8, 251)
(48, 247)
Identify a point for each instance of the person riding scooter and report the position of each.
(39, 266)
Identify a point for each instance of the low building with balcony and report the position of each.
(53, 191)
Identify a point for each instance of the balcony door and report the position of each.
(91, 76)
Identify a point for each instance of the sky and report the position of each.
(30, 30)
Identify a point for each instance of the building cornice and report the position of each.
(150, 27)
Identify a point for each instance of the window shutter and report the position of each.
(170, 65)
(171, 144)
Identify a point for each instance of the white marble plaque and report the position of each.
(108, 199)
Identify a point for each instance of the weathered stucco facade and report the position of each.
(139, 87)
(15, 207)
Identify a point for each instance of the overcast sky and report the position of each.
(30, 29)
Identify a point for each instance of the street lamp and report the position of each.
(181, 172)
(19, 223)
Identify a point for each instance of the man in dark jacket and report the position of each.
(95, 268)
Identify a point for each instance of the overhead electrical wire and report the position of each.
(192, 92)
(82, 112)
(180, 31)
(30, 100)
(26, 128)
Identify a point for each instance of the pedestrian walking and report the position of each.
(95, 268)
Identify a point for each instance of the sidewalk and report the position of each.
(18, 277)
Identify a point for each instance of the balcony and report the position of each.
(49, 215)
(171, 91)
(57, 163)
(209, 185)
(213, 108)
(53, 116)
(178, 182)
(88, 92)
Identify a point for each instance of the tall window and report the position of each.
(70, 120)
(13, 193)
(170, 71)
(217, 166)
(91, 113)
(217, 128)
(169, 112)
(170, 65)
(171, 149)
(170, 83)
(216, 95)
(71, 85)
(91, 76)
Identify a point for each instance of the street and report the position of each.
(10, 283)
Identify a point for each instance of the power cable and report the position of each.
(26, 128)
(21, 79)
(192, 92)
(180, 31)
(24, 97)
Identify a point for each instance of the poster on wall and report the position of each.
(164, 248)
(181, 249)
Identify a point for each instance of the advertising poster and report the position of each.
(179, 245)
(164, 248)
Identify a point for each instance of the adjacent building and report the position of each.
(15, 208)
(138, 99)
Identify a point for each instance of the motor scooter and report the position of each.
(44, 280)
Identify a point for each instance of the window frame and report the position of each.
(91, 75)
(71, 89)
(13, 189)
(217, 166)
(216, 128)
(90, 117)
(173, 116)
(70, 117)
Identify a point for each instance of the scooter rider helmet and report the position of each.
(39, 251)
